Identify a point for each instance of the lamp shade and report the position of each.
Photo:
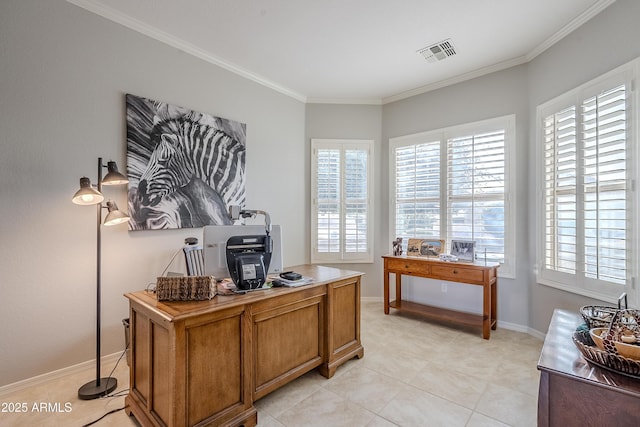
(114, 216)
(87, 195)
(113, 177)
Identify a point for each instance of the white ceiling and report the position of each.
(353, 51)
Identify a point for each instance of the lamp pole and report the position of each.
(95, 389)
(98, 273)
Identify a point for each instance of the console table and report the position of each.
(205, 362)
(432, 268)
(575, 393)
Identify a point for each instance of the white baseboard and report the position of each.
(513, 327)
(60, 373)
(537, 334)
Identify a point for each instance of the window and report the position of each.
(342, 201)
(585, 178)
(455, 184)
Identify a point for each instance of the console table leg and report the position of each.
(386, 292)
(494, 305)
(486, 310)
(398, 290)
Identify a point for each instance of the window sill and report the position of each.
(611, 299)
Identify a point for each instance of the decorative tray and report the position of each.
(603, 359)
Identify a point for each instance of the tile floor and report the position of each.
(414, 373)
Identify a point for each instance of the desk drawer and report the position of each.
(458, 274)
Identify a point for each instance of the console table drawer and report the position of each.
(408, 266)
(467, 275)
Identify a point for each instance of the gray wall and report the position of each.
(63, 76)
(609, 40)
(354, 122)
(498, 94)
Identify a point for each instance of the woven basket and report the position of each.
(604, 359)
(598, 316)
(189, 288)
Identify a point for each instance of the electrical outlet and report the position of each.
(443, 287)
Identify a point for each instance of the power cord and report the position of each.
(108, 413)
(189, 241)
(120, 393)
(169, 264)
(151, 288)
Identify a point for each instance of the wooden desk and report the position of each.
(206, 362)
(431, 268)
(575, 393)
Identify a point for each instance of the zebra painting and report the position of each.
(185, 168)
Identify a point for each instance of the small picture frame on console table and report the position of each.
(430, 248)
(464, 250)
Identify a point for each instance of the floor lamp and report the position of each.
(88, 195)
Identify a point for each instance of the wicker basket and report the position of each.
(189, 288)
(597, 316)
(604, 359)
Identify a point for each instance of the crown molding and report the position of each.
(570, 27)
(562, 33)
(457, 79)
(350, 101)
(106, 12)
(150, 31)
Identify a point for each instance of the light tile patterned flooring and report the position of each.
(414, 373)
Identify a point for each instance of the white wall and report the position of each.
(63, 76)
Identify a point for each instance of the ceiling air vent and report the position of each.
(438, 51)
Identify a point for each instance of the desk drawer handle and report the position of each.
(455, 271)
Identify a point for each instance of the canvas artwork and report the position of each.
(185, 168)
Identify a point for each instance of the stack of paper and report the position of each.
(291, 283)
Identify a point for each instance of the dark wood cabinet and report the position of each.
(575, 393)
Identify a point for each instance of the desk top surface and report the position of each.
(175, 310)
(560, 356)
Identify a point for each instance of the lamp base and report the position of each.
(91, 390)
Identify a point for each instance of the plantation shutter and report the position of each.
(356, 201)
(604, 151)
(341, 201)
(587, 194)
(417, 188)
(476, 192)
(560, 186)
(328, 200)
